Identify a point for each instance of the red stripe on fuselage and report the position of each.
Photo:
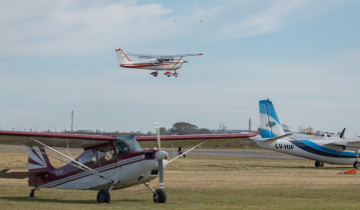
(88, 174)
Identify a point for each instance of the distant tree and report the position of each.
(204, 131)
(184, 128)
(309, 130)
(286, 128)
(163, 131)
(222, 128)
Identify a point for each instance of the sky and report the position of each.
(59, 56)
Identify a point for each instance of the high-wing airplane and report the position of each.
(333, 150)
(154, 62)
(107, 163)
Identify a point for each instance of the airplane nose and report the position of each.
(160, 155)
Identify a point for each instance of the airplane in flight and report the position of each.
(154, 62)
(332, 150)
(107, 163)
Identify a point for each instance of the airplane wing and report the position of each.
(347, 144)
(185, 141)
(53, 139)
(149, 56)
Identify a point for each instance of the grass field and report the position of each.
(204, 183)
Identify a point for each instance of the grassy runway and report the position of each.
(204, 183)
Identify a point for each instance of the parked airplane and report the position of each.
(333, 150)
(154, 62)
(107, 163)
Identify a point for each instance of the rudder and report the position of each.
(270, 123)
(38, 161)
(122, 57)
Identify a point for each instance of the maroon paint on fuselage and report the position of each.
(69, 170)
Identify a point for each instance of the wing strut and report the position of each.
(177, 62)
(84, 167)
(186, 152)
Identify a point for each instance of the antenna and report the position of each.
(72, 118)
(249, 125)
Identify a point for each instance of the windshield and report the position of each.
(125, 144)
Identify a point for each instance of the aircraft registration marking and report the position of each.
(284, 146)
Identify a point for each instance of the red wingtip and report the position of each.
(200, 54)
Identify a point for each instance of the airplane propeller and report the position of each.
(342, 133)
(160, 155)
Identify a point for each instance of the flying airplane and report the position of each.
(107, 163)
(333, 150)
(154, 62)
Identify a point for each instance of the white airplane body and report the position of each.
(153, 62)
(321, 149)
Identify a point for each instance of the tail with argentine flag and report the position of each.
(270, 124)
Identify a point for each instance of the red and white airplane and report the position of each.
(107, 163)
(154, 62)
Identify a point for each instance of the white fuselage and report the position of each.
(127, 171)
(312, 149)
(154, 64)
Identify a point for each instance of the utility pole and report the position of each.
(249, 125)
(72, 118)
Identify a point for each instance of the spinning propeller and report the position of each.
(160, 155)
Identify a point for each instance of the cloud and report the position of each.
(66, 27)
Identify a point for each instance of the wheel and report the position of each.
(161, 196)
(321, 164)
(32, 193)
(317, 164)
(357, 164)
(103, 196)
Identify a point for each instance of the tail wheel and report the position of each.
(103, 196)
(160, 196)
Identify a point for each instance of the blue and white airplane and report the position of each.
(333, 150)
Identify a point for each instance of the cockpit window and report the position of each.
(160, 60)
(88, 158)
(125, 144)
(168, 59)
(105, 153)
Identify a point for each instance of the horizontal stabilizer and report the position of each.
(275, 138)
(16, 175)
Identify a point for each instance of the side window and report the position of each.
(105, 153)
(88, 159)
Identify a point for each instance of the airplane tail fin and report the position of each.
(270, 124)
(38, 160)
(123, 59)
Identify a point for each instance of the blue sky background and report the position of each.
(59, 56)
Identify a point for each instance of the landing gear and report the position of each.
(357, 164)
(180, 152)
(175, 74)
(155, 73)
(103, 196)
(159, 195)
(319, 164)
(32, 191)
(168, 73)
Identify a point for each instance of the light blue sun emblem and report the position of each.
(270, 124)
